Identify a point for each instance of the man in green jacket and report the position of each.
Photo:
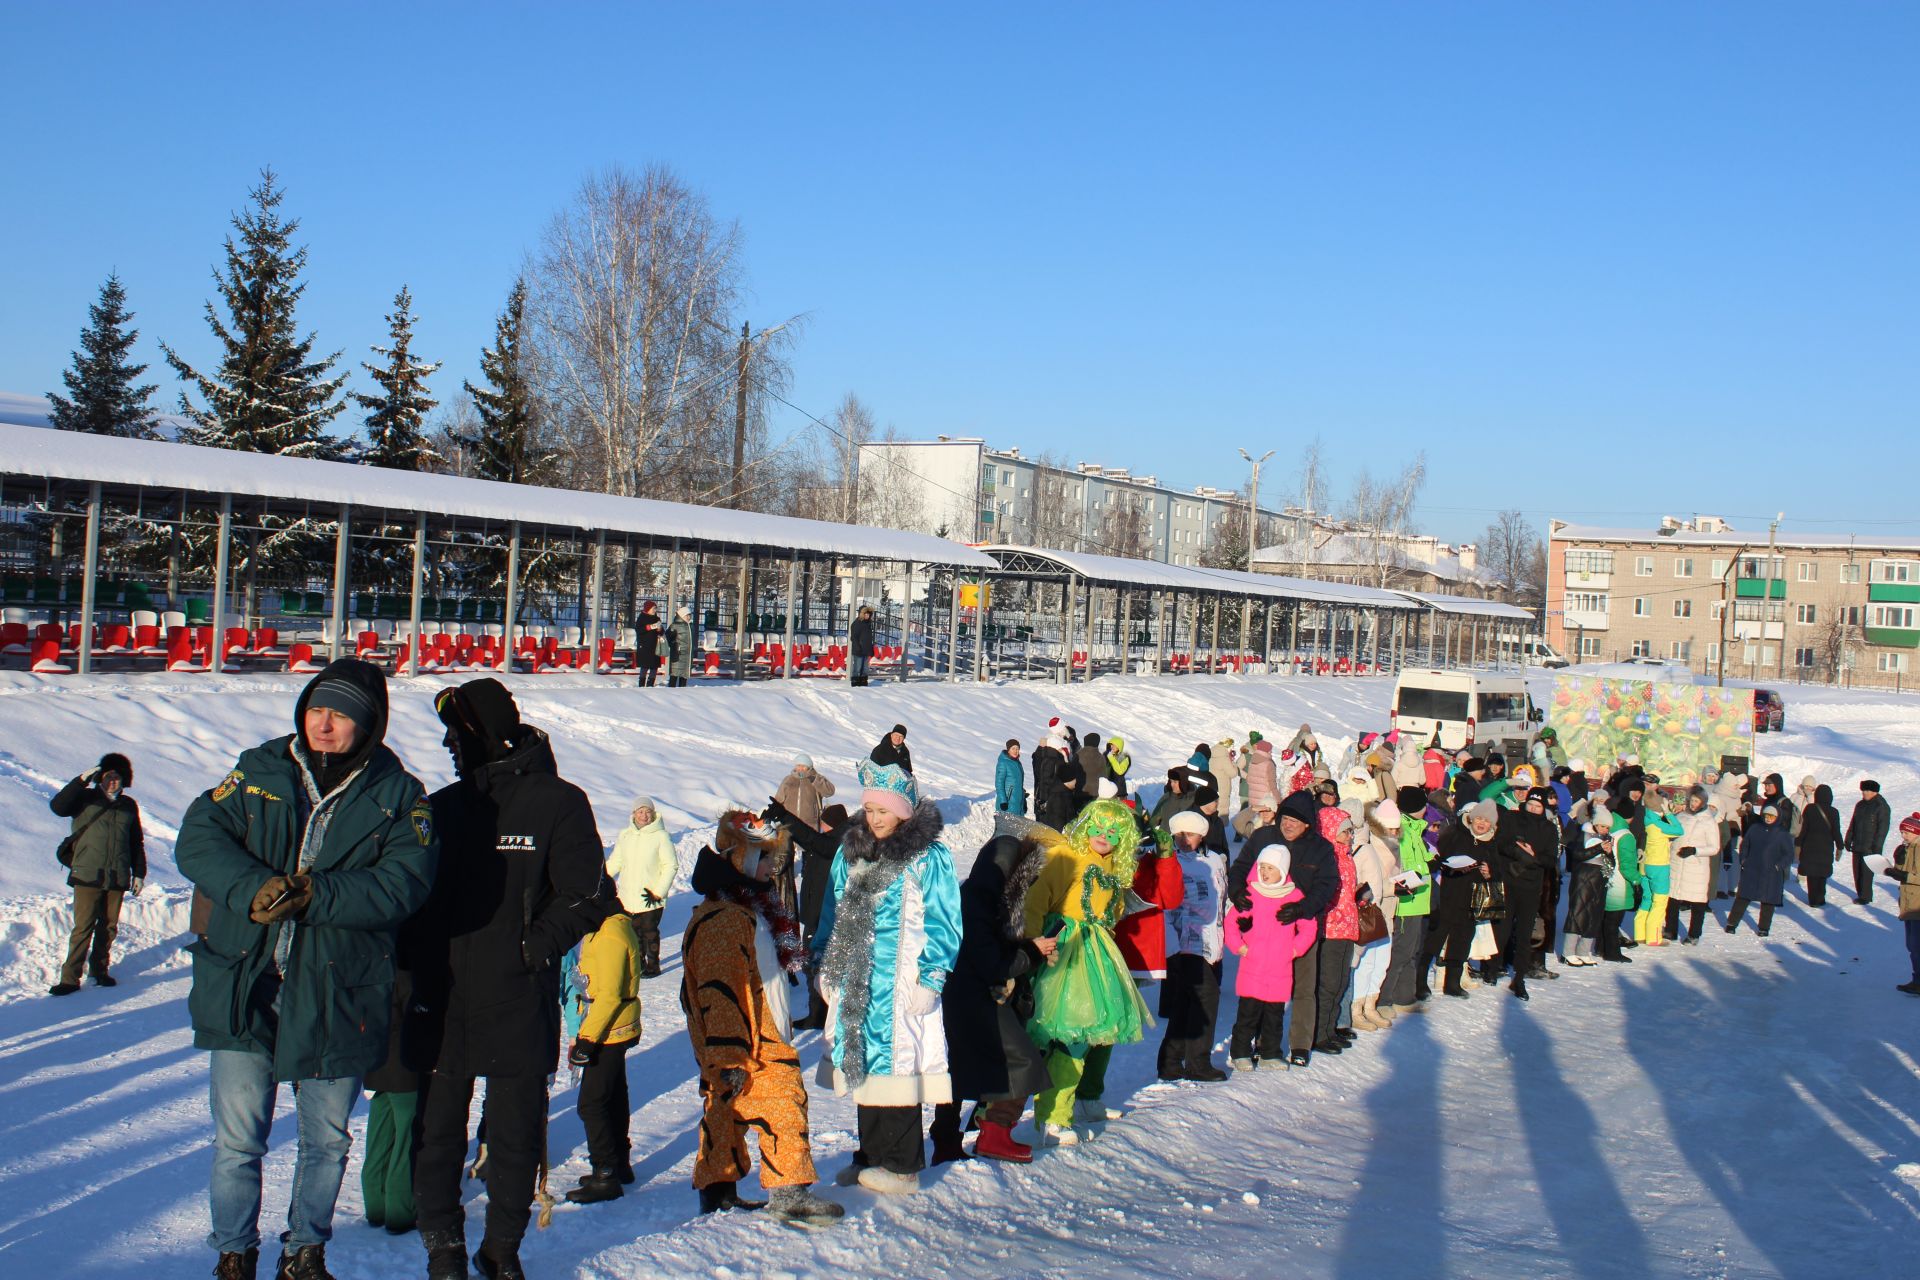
(109, 859)
(313, 849)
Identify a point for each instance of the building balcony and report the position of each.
(1894, 592)
(1589, 581)
(1584, 620)
(1741, 629)
(1756, 588)
(1893, 637)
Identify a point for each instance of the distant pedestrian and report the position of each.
(1867, 836)
(860, 647)
(804, 791)
(643, 865)
(680, 648)
(1010, 781)
(892, 749)
(647, 634)
(1905, 872)
(106, 858)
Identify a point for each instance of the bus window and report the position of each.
(1498, 707)
(1433, 704)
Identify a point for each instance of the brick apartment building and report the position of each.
(1842, 608)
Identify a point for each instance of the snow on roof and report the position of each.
(1156, 574)
(37, 411)
(1468, 606)
(1753, 540)
(1370, 552)
(63, 455)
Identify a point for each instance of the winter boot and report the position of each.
(237, 1266)
(799, 1207)
(996, 1143)
(1241, 1064)
(1345, 1035)
(597, 1186)
(1518, 986)
(724, 1197)
(1094, 1111)
(1452, 987)
(847, 1176)
(1421, 991)
(947, 1148)
(498, 1261)
(1911, 988)
(1206, 1073)
(1058, 1135)
(308, 1262)
(63, 988)
(1363, 1017)
(1330, 1045)
(446, 1255)
(888, 1183)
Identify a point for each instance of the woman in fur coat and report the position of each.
(889, 937)
(989, 996)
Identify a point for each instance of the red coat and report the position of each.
(1434, 762)
(1143, 935)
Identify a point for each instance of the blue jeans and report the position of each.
(1913, 945)
(242, 1094)
(857, 666)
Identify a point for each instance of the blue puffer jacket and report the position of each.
(1009, 786)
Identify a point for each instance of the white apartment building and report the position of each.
(986, 495)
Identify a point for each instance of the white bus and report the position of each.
(1456, 709)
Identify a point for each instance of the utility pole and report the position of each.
(1733, 567)
(1253, 505)
(1772, 532)
(740, 419)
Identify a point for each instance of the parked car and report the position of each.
(1769, 711)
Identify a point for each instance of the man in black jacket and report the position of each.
(1316, 873)
(860, 647)
(1866, 836)
(647, 633)
(1056, 782)
(1526, 850)
(520, 882)
(892, 749)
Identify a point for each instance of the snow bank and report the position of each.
(1737, 1109)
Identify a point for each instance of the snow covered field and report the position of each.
(1744, 1108)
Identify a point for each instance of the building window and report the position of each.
(1586, 602)
(1642, 607)
(1892, 663)
(1681, 649)
(1898, 616)
(1713, 652)
(1643, 648)
(1850, 572)
(1892, 571)
(1643, 566)
(1803, 656)
(1766, 655)
(1717, 610)
(1683, 566)
(1683, 608)
(1750, 654)
(1851, 615)
(1719, 569)
(1581, 560)
(1809, 571)
(1762, 567)
(1803, 614)
(1589, 646)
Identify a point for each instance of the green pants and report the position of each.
(386, 1174)
(1083, 1078)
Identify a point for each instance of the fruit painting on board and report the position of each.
(1677, 730)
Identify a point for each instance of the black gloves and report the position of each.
(281, 898)
(730, 1082)
(583, 1053)
(651, 898)
(1246, 923)
(1289, 913)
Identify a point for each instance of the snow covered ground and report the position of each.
(1744, 1108)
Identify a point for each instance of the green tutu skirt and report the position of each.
(1086, 996)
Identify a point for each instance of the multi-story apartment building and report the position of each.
(1345, 552)
(1842, 607)
(1000, 495)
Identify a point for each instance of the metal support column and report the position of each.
(512, 615)
(740, 619)
(1246, 620)
(341, 541)
(219, 608)
(982, 600)
(1067, 590)
(1266, 646)
(1213, 657)
(594, 604)
(88, 573)
(1159, 633)
(419, 580)
(793, 592)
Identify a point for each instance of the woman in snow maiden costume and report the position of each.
(889, 936)
(1084, 1002)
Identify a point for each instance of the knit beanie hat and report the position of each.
(1411, 800)
(1910, 825)
(644, 802)
(1387, 814)
(346, 698)
(801, 757)
(482, 712)
(1481, 810)
(1188, 823)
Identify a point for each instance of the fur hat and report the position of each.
(114, 762)
(1188, 823)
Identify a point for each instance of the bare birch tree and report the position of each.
(1383, 511)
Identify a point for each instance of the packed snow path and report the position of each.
(1743, 1108)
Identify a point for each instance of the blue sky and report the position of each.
(1600, 261)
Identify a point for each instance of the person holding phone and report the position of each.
(313, 850)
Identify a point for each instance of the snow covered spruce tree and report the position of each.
(105, 398)
(506, 444)
(397, 414)
(268, 394)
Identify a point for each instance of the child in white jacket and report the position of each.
(643, 866)
(1190, 994)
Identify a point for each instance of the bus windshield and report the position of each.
(1432, 704)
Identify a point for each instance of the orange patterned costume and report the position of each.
(739, 1025)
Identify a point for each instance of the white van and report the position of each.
(1534, 650)
(1466, 708)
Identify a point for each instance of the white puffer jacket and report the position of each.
(1694, 878)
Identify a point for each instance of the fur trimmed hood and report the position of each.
(1007, 868)
(909, 840)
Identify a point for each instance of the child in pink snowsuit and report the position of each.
(1267, 949)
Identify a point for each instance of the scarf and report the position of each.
(1266, 890)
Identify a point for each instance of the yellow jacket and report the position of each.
(610, 968)
(1074, 883)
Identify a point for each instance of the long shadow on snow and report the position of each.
(1394, 1225)
(1767, 1125)
(1597, 1233)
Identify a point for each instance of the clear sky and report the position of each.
(1600, 260)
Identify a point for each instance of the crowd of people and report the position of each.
(355, 932)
